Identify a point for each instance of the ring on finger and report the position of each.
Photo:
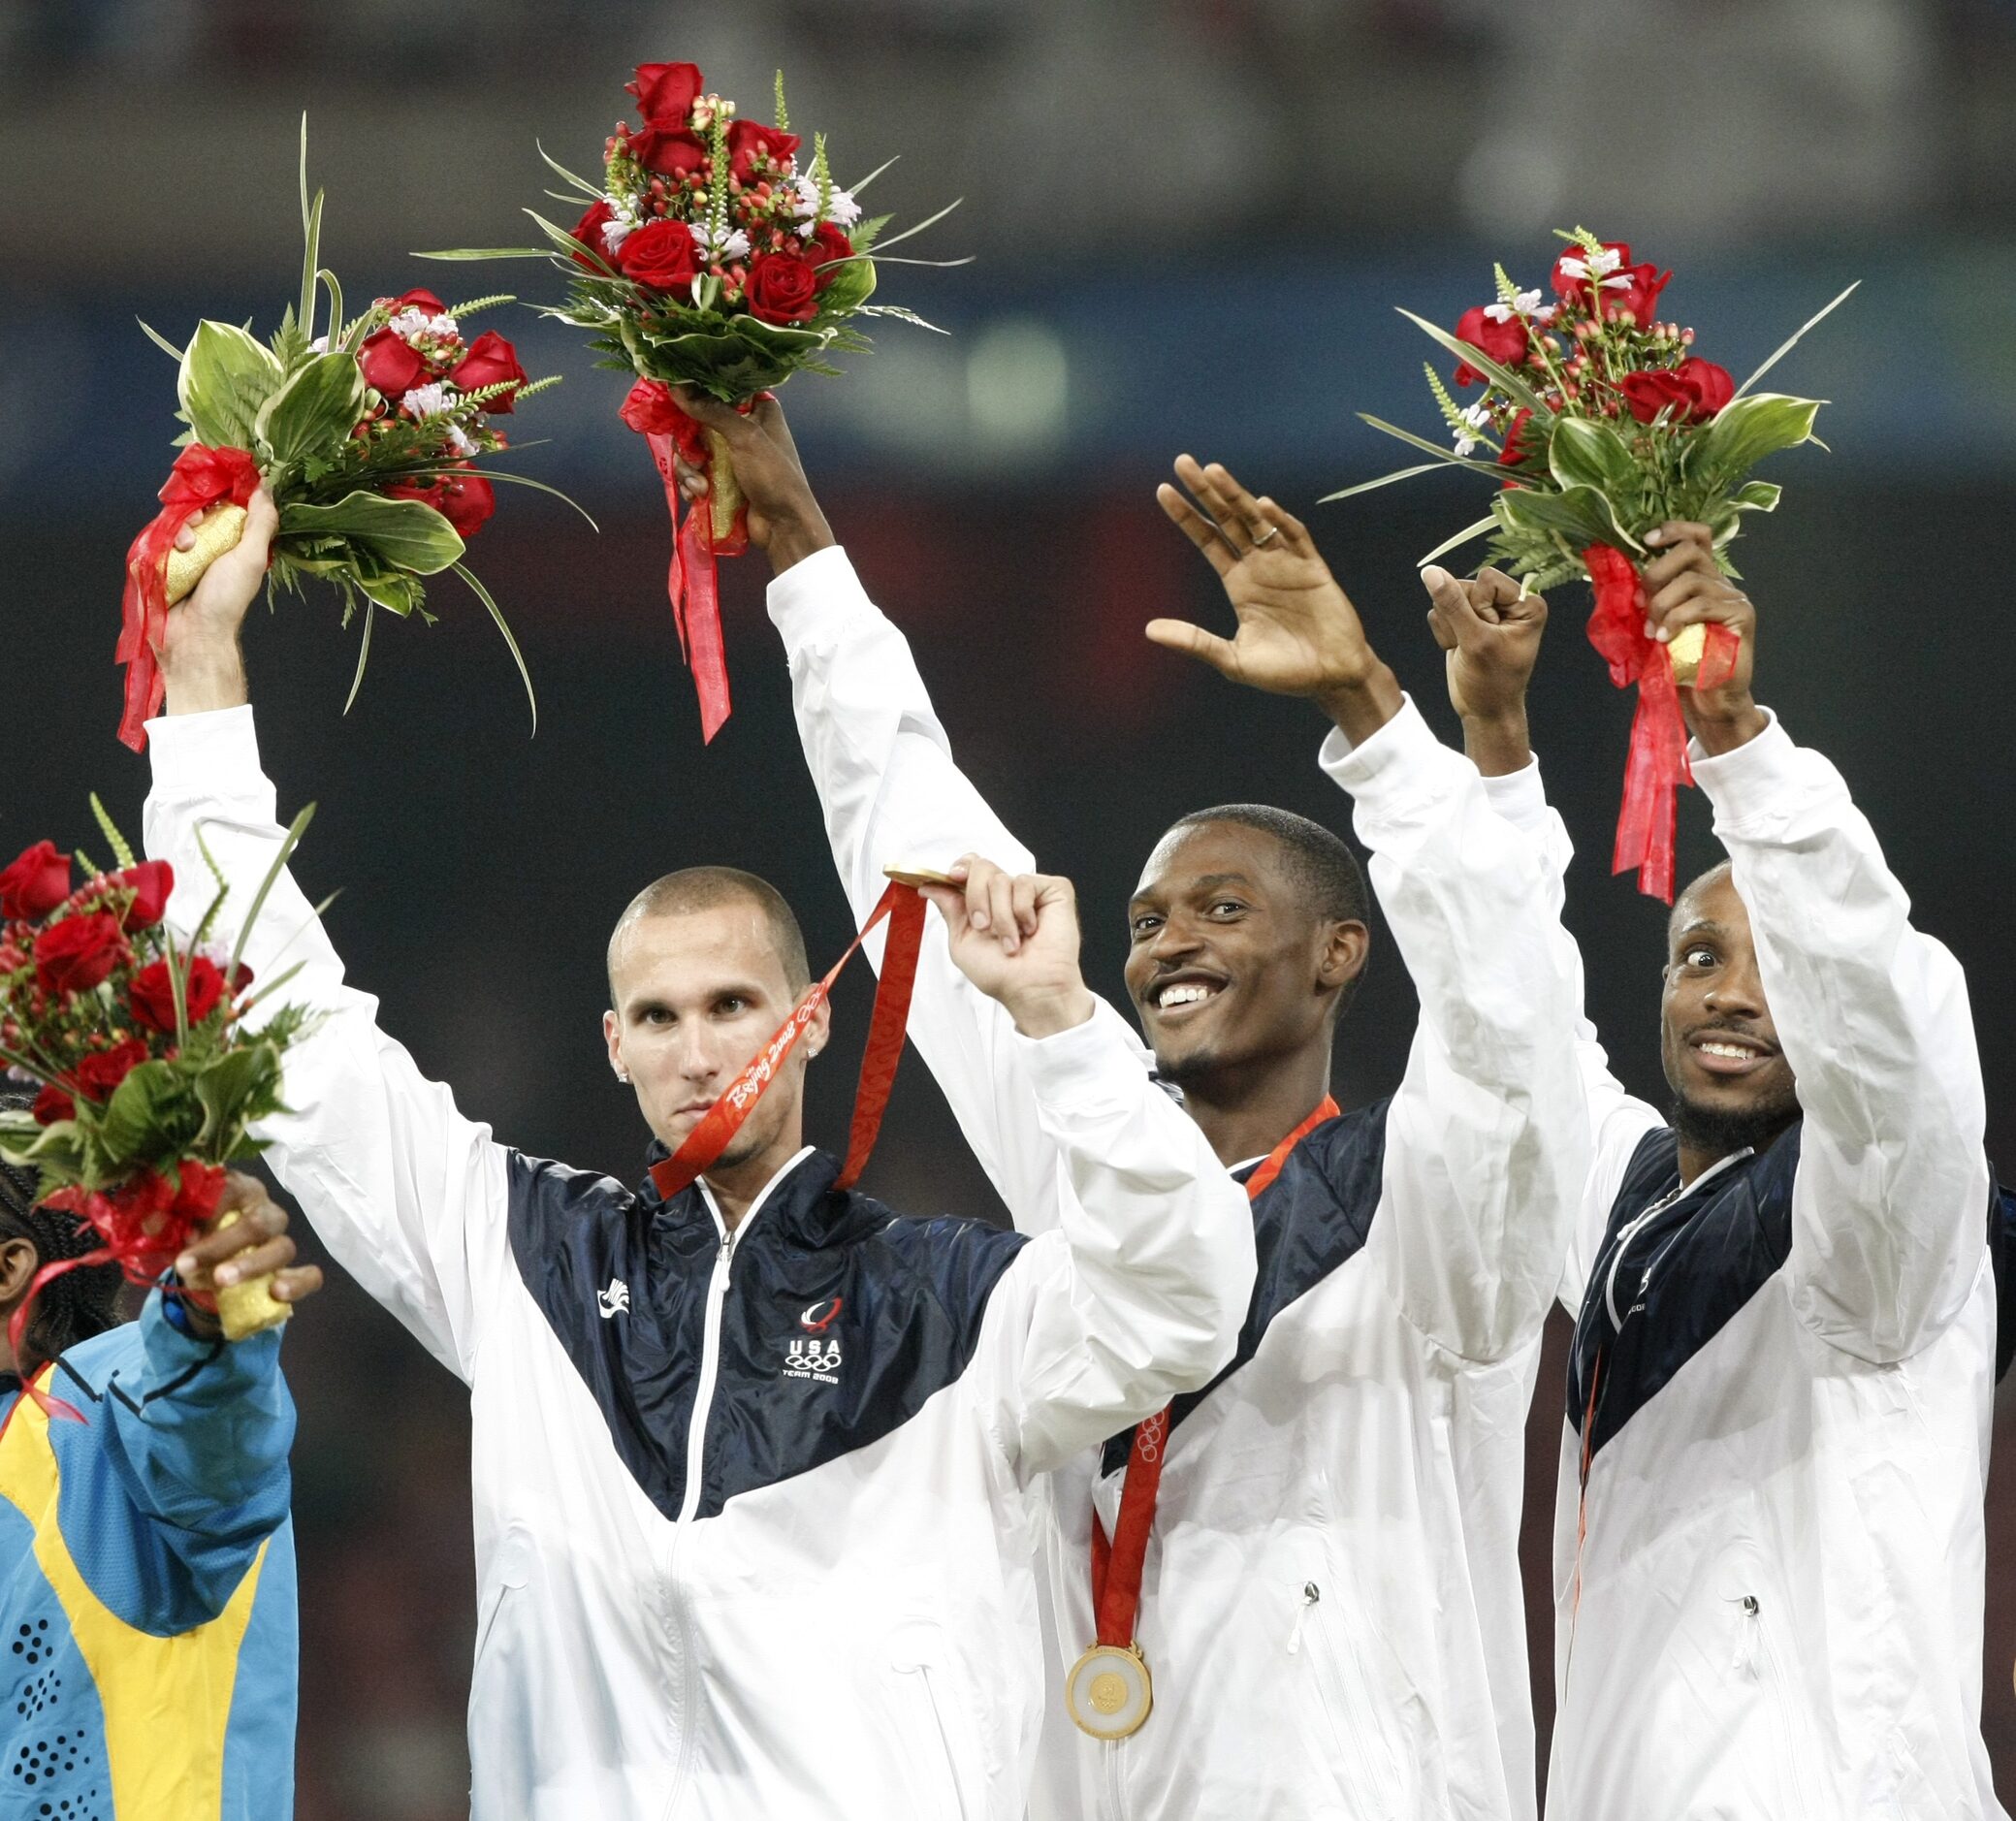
(1272, 532)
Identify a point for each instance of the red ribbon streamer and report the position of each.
(690, 583)
(904, 906)
(201, 478)
(1657, 765)
(145, 1224)
(1116, 1566)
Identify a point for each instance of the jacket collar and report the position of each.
(799, 1202)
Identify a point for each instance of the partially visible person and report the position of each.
(147, 1594)
(1770, 1546)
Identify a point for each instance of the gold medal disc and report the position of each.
(1108, 1691)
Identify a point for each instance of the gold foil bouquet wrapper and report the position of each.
(216, 532)
(250, 1307)
(723, 490)
(1686, 650)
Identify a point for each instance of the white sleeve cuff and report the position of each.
(1395, 770)
(1520, 797)
(215, 755)
(1086, 1070)
(1761, 778)
(809, 592)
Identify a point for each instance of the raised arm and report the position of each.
(1890, 1202)
(1490, 630)
(1140, 1293)
(193, 1430)
(891, 796)
(1487, 1141)
(407, 1194)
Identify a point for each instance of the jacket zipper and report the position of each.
(1753, 1616)
(948, 1762)
(695, 1445)
(1352, 1739)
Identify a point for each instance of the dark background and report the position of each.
(1192, 221)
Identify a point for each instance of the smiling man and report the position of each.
(1769, 1545)
(761, 1467)
(1316, 1610)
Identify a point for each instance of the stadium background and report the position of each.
(1192, 221)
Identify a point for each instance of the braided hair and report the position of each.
(78, 1305)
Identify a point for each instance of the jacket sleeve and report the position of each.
(409, 1195)
(892, 796)
(194, 1435)
(1889, 1205)
(1486, 1140)
(1618, 1120)
(1140, 1292)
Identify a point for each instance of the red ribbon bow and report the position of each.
(1657, 765)
(904, 906)
(201, 478)
(652, 412)
(142, 1227)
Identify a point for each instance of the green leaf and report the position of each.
(1791, 341)
(121, 850)
(854, 284)
(1384, 480)
(364, 653)
(1447, 457)
(231, 1091)
(930, 221)
(288, 842)
(525, 676)
(1580, 514)
(488, 252)
(406, 533)
(1758, 496)
(1503, 377)
(225, 370)
(589, 192)
(151, 1114)
(1582, 453)
(315, 411)
(393, 590)
(160, 340)
(1747, 429)
(1486, 524)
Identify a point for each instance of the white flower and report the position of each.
(1477, 417)
(841, 207)
(1599, 265)
(1545, 313)
(427, 401)
(615, 232)
(459, 440)
(320, 344)
(444, 326)
(734, 246)
(1526, 304)
(408, 323)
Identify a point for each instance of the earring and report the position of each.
(623, 1075)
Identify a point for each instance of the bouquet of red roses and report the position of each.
(710, 257)
(149, 1075)
(1599, 421)
(367, 436)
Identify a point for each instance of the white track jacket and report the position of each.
(1332, 1605)
(758, 1513)
(1768, 1595)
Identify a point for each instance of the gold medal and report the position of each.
(917, 876)
(1108, 1691)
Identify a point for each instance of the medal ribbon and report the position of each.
(690, 583)
(1116, 1566)
(1657, 765)
(199, 478)
(904, 906)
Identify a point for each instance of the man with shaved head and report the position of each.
(1315, 1610)
(1769, 1545)
(761, 1468)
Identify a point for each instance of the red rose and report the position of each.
(666, 92)
(390, 365)
(1639, 299)
(78, 953)
(781, 288)
(661, 256)
(490, 362)
(1504, 342)
(150, 882)
(670, 151)
(1694, 391)
(36, 883)
(418, 300)
(52, 1104)
(152, 997)
(746, 140)
(467, 502)
(99, 1073)
(1566, 285)
(1516, 451)
(828, 242)
(588, 232)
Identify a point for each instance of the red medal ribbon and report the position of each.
(904, 906)
(201, 478)
(1116, 1566)
(1657, 765)
(690, 583)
